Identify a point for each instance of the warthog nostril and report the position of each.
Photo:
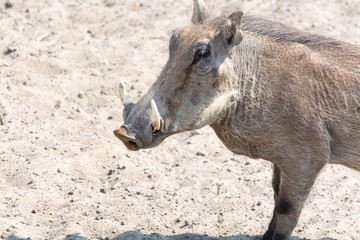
(130, 142)
(134, 144)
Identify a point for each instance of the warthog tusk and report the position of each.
(156, 118)
(123, 96)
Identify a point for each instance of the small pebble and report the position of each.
(9, 50)
(200, 154)
(8, 5)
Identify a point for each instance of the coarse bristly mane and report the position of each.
(284, 33)
(346, 54)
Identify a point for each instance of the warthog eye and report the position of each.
(201, 53)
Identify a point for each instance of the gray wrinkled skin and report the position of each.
(269, 91)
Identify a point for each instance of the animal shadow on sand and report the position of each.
(136, 235)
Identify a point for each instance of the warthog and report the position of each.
(268, 90)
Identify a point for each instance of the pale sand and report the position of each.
(63, 172)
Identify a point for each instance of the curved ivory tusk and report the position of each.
(123, 96)
(156, 118)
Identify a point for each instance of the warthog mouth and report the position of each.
(146, 133)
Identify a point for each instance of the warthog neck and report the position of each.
(246, 64)
(246, 70)
(233, 125)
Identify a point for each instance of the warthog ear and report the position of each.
(231, 29)
(200, 12)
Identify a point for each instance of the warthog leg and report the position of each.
(291, 185)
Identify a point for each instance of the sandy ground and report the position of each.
(64, 175)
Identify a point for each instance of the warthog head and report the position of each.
(195, 87)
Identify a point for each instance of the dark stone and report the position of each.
(9, 50)
(8, 5)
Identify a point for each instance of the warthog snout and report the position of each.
(143, 124)
(132, 143)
